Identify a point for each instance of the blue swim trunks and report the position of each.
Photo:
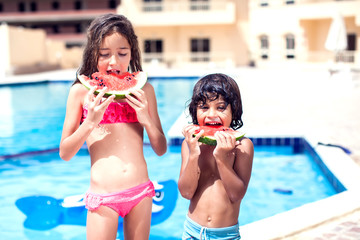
(193, 230)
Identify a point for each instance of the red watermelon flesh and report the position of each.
(209, 132)
(117, 84)
(113, 81)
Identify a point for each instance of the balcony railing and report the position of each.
(175, 59)
(349, 57)
(219, 5)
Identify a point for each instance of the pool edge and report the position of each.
(311, 215)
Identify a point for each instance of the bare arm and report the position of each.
(145, 106)
(234, 164)
(190, 171)
(74, 136)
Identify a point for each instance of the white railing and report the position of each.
(277, 3)
(346, 56)
(175, 59)
(163, 6)
(350, 57)
(321, 1)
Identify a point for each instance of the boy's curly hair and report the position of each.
(210, 88)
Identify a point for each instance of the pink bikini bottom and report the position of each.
(122, 202)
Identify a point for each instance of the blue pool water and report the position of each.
(39, 128)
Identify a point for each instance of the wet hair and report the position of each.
(210, 88)
(102, 27)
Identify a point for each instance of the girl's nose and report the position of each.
(113, 60)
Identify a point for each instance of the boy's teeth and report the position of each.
(213, 124)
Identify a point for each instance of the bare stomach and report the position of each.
(117, 163)
(210, 207)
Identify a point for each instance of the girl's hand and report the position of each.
(191, 140)
(138, 101)
(225, 146)
(96, 107)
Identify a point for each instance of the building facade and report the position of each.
(296, 31)
(191, 33)
(65, 20)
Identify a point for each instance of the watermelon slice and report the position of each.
(209, 131)
(117, 84)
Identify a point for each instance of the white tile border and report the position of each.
(302, 218)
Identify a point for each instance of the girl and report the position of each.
(214, 178)
(119, 181)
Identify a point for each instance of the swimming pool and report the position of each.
(281, 180)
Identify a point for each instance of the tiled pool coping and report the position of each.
(342, 172)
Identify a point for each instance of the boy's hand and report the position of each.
(226, 143)
(191, 140)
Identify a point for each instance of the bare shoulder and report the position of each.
(78, 88)
(149, 91)
(245, 146)
(148, 87)
(77, 91)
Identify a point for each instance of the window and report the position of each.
(288, 2)
(290, 46)
(55, 5)
(78, 28)
(55, 29)
(351, 42)
(153, 50)
(78, 5)
(199, 5)
(263, 3)
(33, 6)
(348, 55)
(112, 4)
(264, 46)
(200, 49)
(152, 5)
(21, 7)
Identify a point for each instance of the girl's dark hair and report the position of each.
(102, 27)
(210, 88)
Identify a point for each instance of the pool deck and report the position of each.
(297, 101)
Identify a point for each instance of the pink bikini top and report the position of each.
(117, 112)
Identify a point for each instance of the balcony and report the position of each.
(306, 9)
(183, 13)
(222, 59)
(52, 16)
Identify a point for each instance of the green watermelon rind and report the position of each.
(209, 140)
(140, 76)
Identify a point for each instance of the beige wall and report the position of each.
(30, 51)
(26, 46)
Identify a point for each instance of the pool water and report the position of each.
(281, 180)
(32, 115)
